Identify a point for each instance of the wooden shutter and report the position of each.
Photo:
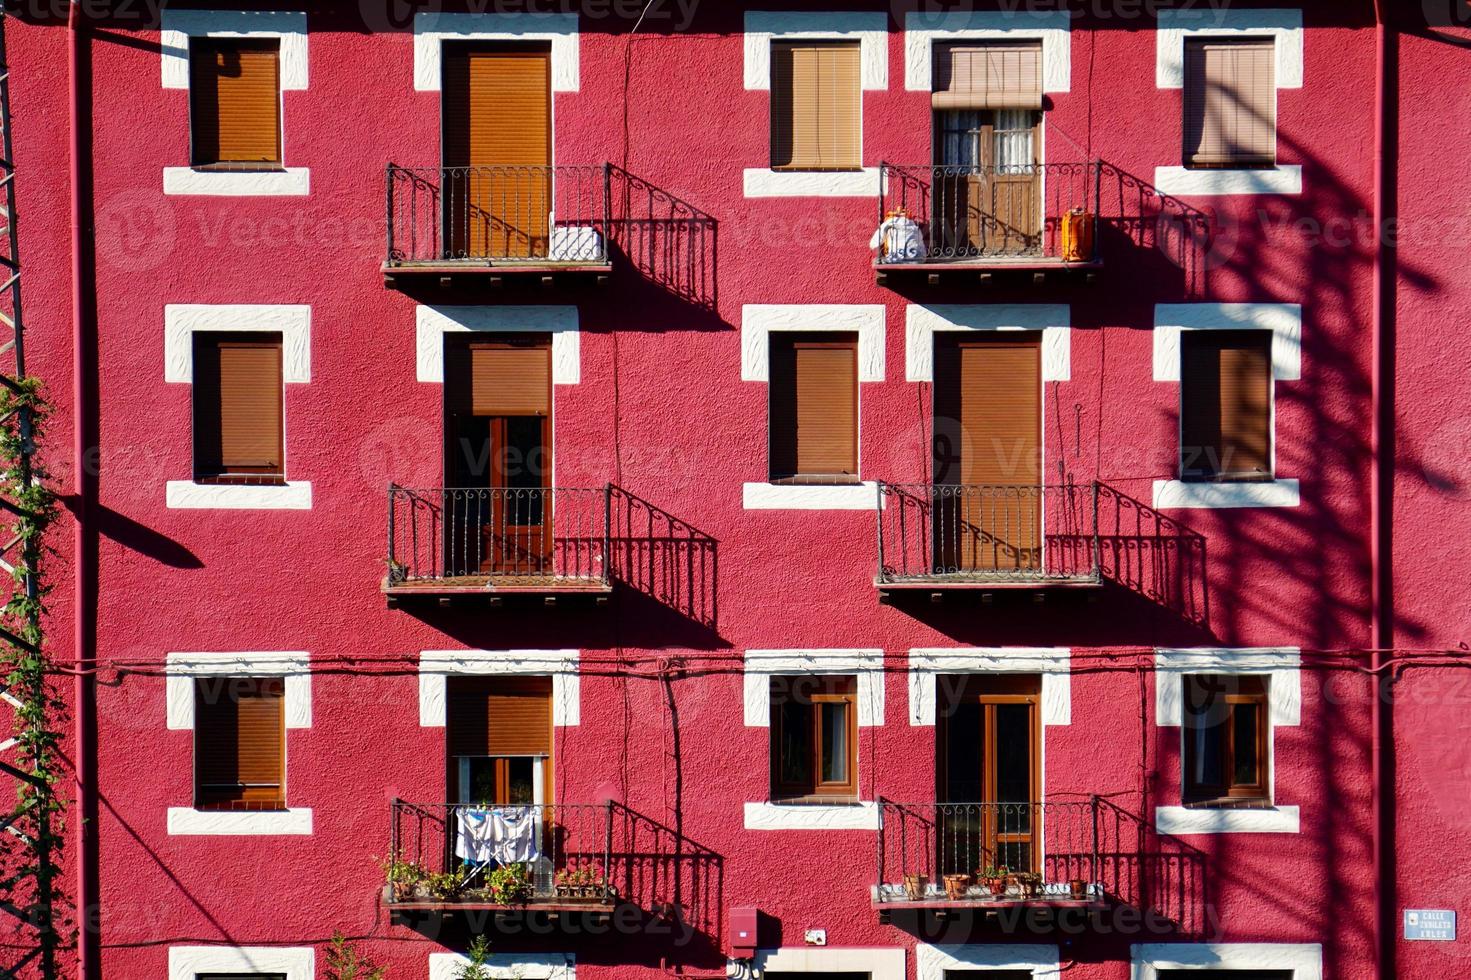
(814, 405)
(988, 409)
(1230, 103)
(816, 106)
(499, 378)
(235, 100)
(968, 76)
(239, 742)
(500, 716)
(1226, 403)
(237, 406)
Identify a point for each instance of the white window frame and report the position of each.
(294, 667)
(924, 28)
(1175, 27)
(297, 963)
(432, 29)
(763, 28)
(431, 323)
(1052, 320)
(1282, 669)
(1283, 321)
(879, 962)
(508, 966)
(181, 321)
(931, 962)
(758, 323)
(867, 668)
(286, 26)
(1305, 960)
(437, 666)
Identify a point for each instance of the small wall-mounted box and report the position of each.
(743, 933)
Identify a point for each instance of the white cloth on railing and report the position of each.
(503, 835)
(898, 239)
(576, 243)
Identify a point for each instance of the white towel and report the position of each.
(513, 835)
(474, 841)
(898, 239)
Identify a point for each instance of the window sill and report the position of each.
(766, 182)
(775, 815)
(1195, 819)
(808, 496)
(218, 182)
(1281, 179)
(187, 821)
(189, 495)
(1190, 494)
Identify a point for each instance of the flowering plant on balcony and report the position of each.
(584, 882)
(406, 879)
(509, 884)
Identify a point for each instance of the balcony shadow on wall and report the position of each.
(663, 568)
(671, 244)
(137, 537)
(1153, 557)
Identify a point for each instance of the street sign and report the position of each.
(1437, 925)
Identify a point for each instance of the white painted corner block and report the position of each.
(432, 29)
(1181, 820)
(874, 962)
(765, 182)
(762, 665)
(431, 323)
(926, 665)
(759, 321)
(921, 323)
(188, 495)
(1304, 960)
(186, 181)
(178, 26)
(1199, 495)
(1189, 182)
(869, 28)
(934, 962)
(924, 27)
(1284, 320)
(182, 668)
(182, 320)
(1281, 665)
(297, 963)
(797, 496)
(1221, 20)
(436, 666)
(507, 966)
(812, 816)
(186, 821)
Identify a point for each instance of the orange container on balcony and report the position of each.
(1077, 236)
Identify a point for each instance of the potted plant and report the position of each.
(1077, 888)
(1028, 884)
(509, 884)
(955, 886)
(406, 880)
(584, 882)
(993, 879)
(914, 886)
(445, 886)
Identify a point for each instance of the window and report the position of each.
(816, 106)
(814, 737)
(499, 732)
(239, 976)
(238, 434)
(1226, 405)
(235, 102)
(1225, 974)
(1230, 103)
(813, 402)
(1226, 730)
(239, 743)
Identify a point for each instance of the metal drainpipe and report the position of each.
(84, 617)
(1380, 514)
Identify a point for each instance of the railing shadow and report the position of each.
(670, 242)
(1153, 872)
(1136, 215)
(658, 555)
(1153, 556)
(664, 873)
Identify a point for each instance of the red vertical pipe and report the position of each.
(84, 534)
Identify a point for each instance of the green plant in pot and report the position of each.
(406, 880)
(993, 878)
(509, 884)
(445, 885)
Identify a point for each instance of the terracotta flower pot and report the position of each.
(955, 886)
(914, 886)
(1078, 888)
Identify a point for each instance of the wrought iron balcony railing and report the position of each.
(499, 537)
(960, 853)
(1018, 212)
(482, 216)
(969, 534)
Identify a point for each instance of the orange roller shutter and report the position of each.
(235, 95)
(240, 742)
(1226, 404)
(1230, 103)
(500, 379)
(237, 406)
(497, 716)
(987, 77)
(816, 106)
(814, 406)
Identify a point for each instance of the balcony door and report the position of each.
(498, 456)
(990, 771)
(987, 186)
(496, 150)
(987, 513)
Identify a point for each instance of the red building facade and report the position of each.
(703, 493)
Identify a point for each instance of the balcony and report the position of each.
(448, 545)
(493, 223)
(977, 222)
(559, 861)
(948, 538)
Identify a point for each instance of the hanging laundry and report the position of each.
(898, 239)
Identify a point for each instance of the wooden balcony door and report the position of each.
(987, 511)
(990, 755)
(497, 150)
(988, 196)
(498, 457)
